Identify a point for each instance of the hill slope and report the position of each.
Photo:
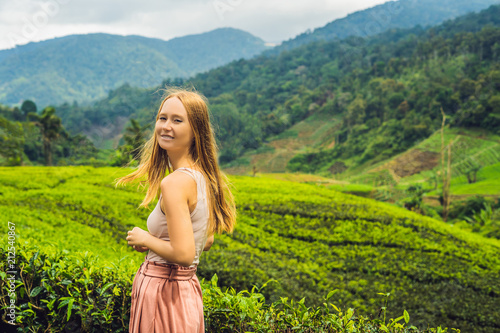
(361, 101)
(392, 14)
(86, 67)
(308, 238)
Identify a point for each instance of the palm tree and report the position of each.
(134, 138)
(50, 126)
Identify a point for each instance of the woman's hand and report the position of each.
(137, 238)
(140, 248)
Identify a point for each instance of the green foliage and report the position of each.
(62, 290)
(413, 201)
(486, 220)
(41, 139)
(28, 107)
(462, 209)
(307, 238)
(11, 141)
(50, 126)
(135, 138)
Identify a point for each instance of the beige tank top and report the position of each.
(157, 222)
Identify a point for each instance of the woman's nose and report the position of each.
(167, 124)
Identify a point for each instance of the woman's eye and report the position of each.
(164, 118)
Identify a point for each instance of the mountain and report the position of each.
(86, 67)
(330, 107)
(392, 14)
(358, 101)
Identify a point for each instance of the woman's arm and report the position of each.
(208, 244)
(181, 247)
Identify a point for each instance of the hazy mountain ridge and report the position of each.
(86, 67)
(392, 14)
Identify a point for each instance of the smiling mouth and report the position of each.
(167, 137)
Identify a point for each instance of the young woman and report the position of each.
(194, 203)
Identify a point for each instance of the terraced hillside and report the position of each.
(308, 238)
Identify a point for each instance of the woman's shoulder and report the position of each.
(194, 173)
(176, 179)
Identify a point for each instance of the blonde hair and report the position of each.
(155, 161)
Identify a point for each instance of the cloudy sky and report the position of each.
(23, 21)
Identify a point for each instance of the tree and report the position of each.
(445, 173)
(135, 138)
(17, 114)
(355, 112)
(50, 127)
(11, 141)
(494, 104)
(27, 107)
(466, 88)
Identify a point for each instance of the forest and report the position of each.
(389, 88)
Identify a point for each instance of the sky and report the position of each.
(274, 21)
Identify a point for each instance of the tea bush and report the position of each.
(59, 291)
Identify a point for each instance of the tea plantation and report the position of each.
(318, 252)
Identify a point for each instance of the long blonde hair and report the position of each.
(155, 161)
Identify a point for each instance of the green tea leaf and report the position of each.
(407, 316)
(36, 291)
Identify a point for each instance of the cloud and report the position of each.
(23, 21)
(275, 21)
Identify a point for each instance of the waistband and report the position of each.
(167, 271)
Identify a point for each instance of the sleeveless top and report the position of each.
(157, 222)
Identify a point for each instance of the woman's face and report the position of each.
(172, 129)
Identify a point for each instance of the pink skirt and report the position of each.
(166, 298)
